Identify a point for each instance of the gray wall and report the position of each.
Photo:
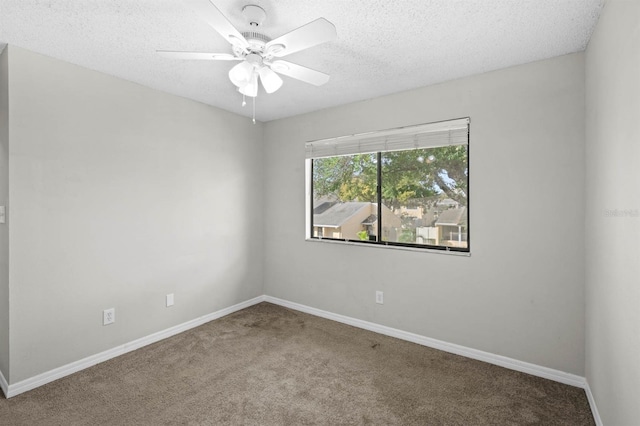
(4, 201)
(613, 183)
(521, 293)
(120, 195)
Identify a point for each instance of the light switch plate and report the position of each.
(169, 300)
(2, 214)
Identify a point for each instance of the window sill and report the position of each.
(387, 247)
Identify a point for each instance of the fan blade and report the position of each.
(309, 35)
(299, 72)
(212, 16)
(251, 88)
(198, 55)
(270, 80)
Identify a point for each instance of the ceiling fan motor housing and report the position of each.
(257, 43)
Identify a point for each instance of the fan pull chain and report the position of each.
(244, 102)
(254, 110)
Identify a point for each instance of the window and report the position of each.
(402, 187)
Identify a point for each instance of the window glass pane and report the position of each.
(424, 196)
(344, 197)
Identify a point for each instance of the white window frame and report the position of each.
(429, 135)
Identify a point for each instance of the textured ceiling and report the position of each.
(382, 46)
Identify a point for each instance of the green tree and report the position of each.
(406, 175)
(350, 177)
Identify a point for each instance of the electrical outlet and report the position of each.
(108, 316)
(169, 300)
(379, 297)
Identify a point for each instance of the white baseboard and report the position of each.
(65, 370)
(502, 361)
(592, 404)
(4, 385)
(513, 364)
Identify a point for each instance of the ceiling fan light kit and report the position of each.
(256, 52)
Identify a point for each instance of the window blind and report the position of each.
(442, 133)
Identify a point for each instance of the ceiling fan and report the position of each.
(257, 53)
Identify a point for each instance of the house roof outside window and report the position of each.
(338, 214)
(453, 217)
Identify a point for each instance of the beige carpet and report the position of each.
(267, 365)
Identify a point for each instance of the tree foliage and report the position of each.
(406, 175)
